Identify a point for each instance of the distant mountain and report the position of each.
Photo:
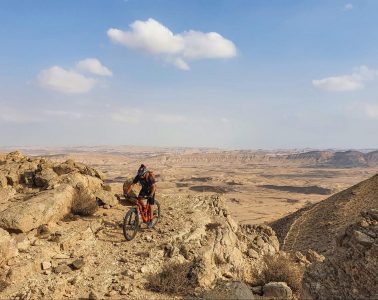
(315, 227)
(337, 159)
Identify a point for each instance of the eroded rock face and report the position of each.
(35, 191)
(350, 272)
(8, 248)
(218, 247)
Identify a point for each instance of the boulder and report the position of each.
(8, 248)
(46, 206)
(46, 178)
(224, 290)
(106, 197)
(15, 156)
(277, 290)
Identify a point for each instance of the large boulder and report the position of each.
(8, 248)
(225, 290)
(106, 197)
(350, 271)
(46, 206)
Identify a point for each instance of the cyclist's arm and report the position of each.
(153, 189)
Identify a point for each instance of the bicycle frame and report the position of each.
(144, 212)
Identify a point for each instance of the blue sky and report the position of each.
(230, 74)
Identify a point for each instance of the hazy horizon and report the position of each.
(215, 74)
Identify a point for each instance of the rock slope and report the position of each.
(316, 226)
(350, 271)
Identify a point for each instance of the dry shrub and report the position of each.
(84, 203)
(282, 268)
(174, 278)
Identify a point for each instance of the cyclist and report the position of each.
(147, 180)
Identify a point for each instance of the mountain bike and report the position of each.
(131, 222)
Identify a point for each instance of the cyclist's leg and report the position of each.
(151, 202)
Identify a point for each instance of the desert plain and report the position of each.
(259, 186)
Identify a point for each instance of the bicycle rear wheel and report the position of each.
(131, 224)
(156, 214)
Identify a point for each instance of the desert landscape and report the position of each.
(217, 209)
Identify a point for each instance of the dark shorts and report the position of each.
(145, 194)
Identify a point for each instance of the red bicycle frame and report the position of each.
(144, 211)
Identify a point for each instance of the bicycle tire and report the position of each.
(131, 225)
(156, 213)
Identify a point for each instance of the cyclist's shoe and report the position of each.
(150, 224)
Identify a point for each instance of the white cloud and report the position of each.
(170, 118)
(94, 66)
(65, 81)
(345, 83)
(371, 110)
(154, 38)
(348, 6)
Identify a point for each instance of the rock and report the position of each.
(229, 290)
(46, 206)
(253, 253)
(8, 248)
(106, 206)
(277, 290)
(313, 256)
(61, 256)
(15, 156)
(258, 290)
(45, 178)
(62, 269)
(3, 181)
(77, 264)
(45, 265)
(93, 296)
(106, 197)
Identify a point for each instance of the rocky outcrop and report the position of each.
(47, 206)
(35, 191)
(350, 271)
(218, 247)
(277, 290)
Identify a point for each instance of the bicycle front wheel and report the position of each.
(131, 224)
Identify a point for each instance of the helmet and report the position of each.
(142, 170)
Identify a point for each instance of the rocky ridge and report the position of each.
(350, 271)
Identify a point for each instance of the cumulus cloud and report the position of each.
(65, 81)
(154, 38)
(345, 83)
(73, 81)
(348, 6)
(94, 66)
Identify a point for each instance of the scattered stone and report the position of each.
(61, 256)
(77, 264)
(46, 265)
(277, 290)
(106, 206)
(62, 269)
(93, 296)
(253, 254)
